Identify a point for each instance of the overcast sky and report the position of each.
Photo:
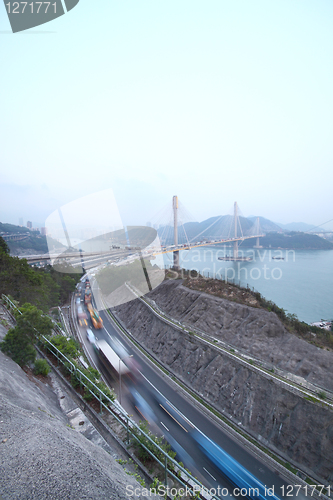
(212, 100)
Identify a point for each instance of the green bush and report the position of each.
(94, 376)
(141, 452)
(66, 369)
(69, 347)
(18, 346)
(41, 367)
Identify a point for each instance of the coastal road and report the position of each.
(160, 393)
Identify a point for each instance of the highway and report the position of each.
(170, 406)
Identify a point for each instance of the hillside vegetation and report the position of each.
(35, 241)
(11, 228)
(292, 240)
(218, 288)
(44, 288)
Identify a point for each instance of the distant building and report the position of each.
(21, 221)
(29, 224)
(148, 224)
(43, 231)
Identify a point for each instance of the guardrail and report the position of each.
(170, 466)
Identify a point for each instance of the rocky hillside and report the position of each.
(300, 429)
(257, 332)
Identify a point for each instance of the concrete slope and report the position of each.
(41, 456)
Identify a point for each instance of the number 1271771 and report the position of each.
(293, 490)
(31, 7)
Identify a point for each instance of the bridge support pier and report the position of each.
(235, 249)
(257, 245)
(175, 232)
(176, 261)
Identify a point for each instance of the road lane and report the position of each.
(204, 470)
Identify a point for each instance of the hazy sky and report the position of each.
(213, 100)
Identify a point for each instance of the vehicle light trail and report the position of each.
(142, 414)
(173, 418)
(209, 473)
(182, 416)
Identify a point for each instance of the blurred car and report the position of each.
(90, 336)
(141, 405)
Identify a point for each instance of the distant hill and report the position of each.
(299, 226)
(292, 240)
(35, 243)
(11, 228)
(266, 225)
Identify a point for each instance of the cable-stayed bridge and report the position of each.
(173, 238)
(235, 235)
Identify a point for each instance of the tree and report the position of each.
(44, 288)
(33, 321)
(18, 342)
(18, 346)
(3, 246)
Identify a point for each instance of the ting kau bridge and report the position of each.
(168, 243)
(176, 247)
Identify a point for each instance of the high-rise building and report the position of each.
(21, 221)
(43, 231)
(29, 224)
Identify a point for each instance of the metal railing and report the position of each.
(171, 467)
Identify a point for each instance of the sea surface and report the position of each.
(299, 281)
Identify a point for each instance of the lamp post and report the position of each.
(120, 359)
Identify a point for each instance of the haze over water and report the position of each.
(301, 283)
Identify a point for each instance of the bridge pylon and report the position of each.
(175, 232)
(235, 221)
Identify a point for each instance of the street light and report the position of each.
(120, 359)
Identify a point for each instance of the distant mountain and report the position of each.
(32, 243)
(299, 226)
(266, 225)
(11, 228)
(294, 240)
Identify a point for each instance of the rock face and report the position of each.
(41, 457)
(258, 332)
(285, 421)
